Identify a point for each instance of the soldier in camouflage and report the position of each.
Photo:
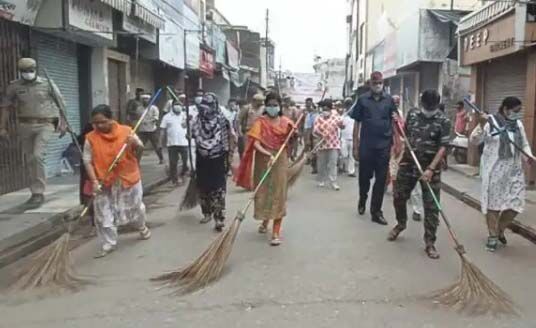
(428, 132)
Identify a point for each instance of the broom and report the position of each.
(473, 293)
(209, 266)
(296, 168)
(191, 196)
(52, 266)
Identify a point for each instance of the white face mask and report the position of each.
(377, 88)
(177, 109)
(513, 116)
(28, 76)
(198, 100)
(326, 113)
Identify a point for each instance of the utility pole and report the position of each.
(266, 45)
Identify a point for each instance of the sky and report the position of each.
(300, 29)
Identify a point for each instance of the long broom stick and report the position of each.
(191, 196)
(474, 293)
(52, 266)
(498, 129)
(209, 266)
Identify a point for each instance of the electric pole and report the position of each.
(266, 45)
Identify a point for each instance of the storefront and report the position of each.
(501, 66)
(14, 44)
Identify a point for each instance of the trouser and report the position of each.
(213, 203)
(499, 221)
(153, 138)
(241, 145)
(173, 153)
(348, 162)
(416, 200)
(373, 163)
(34, 139)
(327, 165)
(406, 182)
(116, 206)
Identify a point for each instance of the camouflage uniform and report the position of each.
(427, 136)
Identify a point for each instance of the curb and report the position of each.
(517, 227)
(36, 237)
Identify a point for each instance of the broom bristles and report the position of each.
(205, 269)
(191, 197)
(475, 294)
(295, 171)
(50, 267)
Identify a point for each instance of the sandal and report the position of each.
(275, 241)
(432, 253)
(206, 219)
(104, 252)
(393, 235)
(491, 245)
(145, 234)
(263, 229)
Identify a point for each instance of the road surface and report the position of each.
(334, 269)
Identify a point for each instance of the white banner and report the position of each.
(22, 11)
(91, 16)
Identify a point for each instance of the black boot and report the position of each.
(362, 206)
(34, 202)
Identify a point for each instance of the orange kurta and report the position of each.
(105, 147)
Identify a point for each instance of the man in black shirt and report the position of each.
(373, 136)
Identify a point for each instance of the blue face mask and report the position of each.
(272, 111)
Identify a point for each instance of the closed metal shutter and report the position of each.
(505, 77)
(14, 44)
(59, 57)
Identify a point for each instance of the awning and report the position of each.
(124, 6)
(448, 16)
(148, 16)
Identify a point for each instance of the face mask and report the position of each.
(377, 88)
(28, 76)
(513, 116)
(326, 114)
(429, 113)
(177, 109)
(198, 100)
(234, 107)
(272, 111)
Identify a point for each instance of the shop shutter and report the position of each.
(14, 44)
(504, 77)
(59, 57)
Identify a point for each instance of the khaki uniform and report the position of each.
(38, 115)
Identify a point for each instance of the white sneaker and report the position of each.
(335, 187)
(321, 184)
(145, 234)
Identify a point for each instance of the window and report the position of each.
(360, 41)
(531, 12)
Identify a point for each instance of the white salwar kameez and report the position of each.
(503, 180)
(116, 206)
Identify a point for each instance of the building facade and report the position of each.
(498, 43)
(100, 51)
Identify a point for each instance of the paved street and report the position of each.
(334, 270)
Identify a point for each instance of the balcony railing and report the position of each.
(486, 14)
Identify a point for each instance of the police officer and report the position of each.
(39, 117)
(428, 132)
(373, 137)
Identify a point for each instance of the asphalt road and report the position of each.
(334, 269)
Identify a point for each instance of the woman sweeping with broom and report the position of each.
(212, 133)
(119, 200)
(503, 176)
(267, 135)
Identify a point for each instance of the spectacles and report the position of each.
(377, 83)
(28, 70)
